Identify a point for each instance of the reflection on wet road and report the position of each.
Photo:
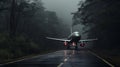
(63, 58)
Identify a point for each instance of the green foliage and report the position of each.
(31, 25)
(102, 18)
(5, 54)
(16, 47)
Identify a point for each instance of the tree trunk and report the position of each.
(12, 19)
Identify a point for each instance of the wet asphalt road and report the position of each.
(63, 58)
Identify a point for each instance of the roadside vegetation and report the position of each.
(101, 20)
(24, 24)
(17, 47)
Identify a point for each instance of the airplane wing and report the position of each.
(57, 39)
(87, 40)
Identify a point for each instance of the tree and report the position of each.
(29, 24)
(13, 24)
(102, 19)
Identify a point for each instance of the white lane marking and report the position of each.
(65, 59)
(32, 58)
(28, 58)
(60, 64)
(14, 61)
(111, 65)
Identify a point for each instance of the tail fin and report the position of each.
(71, 29)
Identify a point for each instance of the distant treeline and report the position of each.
(102, 20)
(24, 24)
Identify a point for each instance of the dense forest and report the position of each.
(24, 24)
(101, 20)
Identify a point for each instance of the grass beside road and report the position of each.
(111, 55)
(19, 47)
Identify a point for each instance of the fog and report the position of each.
(63, 8)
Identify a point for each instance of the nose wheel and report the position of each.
(68, 46)
(76, 47)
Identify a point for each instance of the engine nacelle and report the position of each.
(65, 43)
(82, 44)
(74, 44)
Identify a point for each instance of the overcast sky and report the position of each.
(63, 8)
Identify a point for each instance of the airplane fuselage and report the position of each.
(73, 40)
(74, 37)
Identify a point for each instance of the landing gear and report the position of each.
(76, 47)
(68, 46)
(71, 45)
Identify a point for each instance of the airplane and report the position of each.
(73, 40)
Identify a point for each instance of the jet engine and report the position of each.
(65, 43)
(73, 44)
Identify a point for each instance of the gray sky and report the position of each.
(63, 8)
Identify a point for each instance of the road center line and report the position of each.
(111, 65)
(65, 59)
(60, 64)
